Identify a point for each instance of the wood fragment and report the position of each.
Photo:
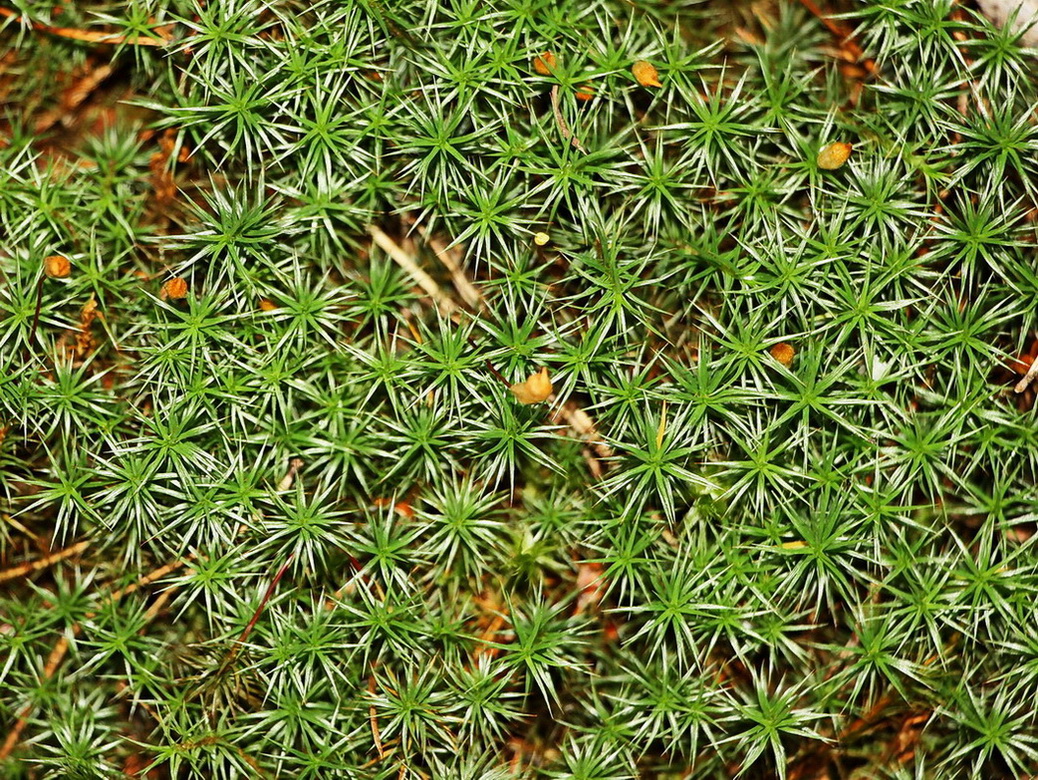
(293, 468)
(1024, 383)
(443, 301)
(60, 649)
(87, 36)
(42, 563)
(74, 97)
(582, 424)
(373, 720)
(560, 120)
(577, 419)
(451, 261)
(146, 580)
(267, 594)
(843, 33)
(53, 661)
(593, 464)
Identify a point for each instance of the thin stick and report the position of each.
(1032, 372)
(465, 288)
(845, 35)
(266, 597)
(84, 88)
(42, 563)
(12, 521)
(561, 120)
(35, 317)
(293, 468)
(87, 36)
(373, 719)
(575, 417)
(150, 578)
(233, 652)
(53, 661)
(159, 603)
(582, 424)
(57, 654)
(420, 277)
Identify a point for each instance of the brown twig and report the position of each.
(159, 604)
(843, 33)
(266, 597)
(42, 563)
(449, 257)
(87, 36)
(35, 317)
(408, 263)
(147, 579)
(290, 475)
(373, 719)
(561, 120)
(83, 89)
(57, 654)
(575, 417)
(10, 520)
(580, 422)
(1024, 383)
(53, 661)
(233, 652)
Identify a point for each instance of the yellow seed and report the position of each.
(797, 545)
(646, 74)
(174, 289)
(267, 305)
(541, 238)
(57, 267)
(833, 155)
(544, 63)
(535, 389)
(783, 353)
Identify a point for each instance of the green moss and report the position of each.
(372, 560)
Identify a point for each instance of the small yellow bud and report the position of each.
(783, 353)
(646, 74)
(544, 63)
(57, 267)
(174, 289)
(833, 155)
(535, 389)
(541, 238)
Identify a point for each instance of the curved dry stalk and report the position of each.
(408, 263)
(87, 36)
(42, 563)
(57, 654)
